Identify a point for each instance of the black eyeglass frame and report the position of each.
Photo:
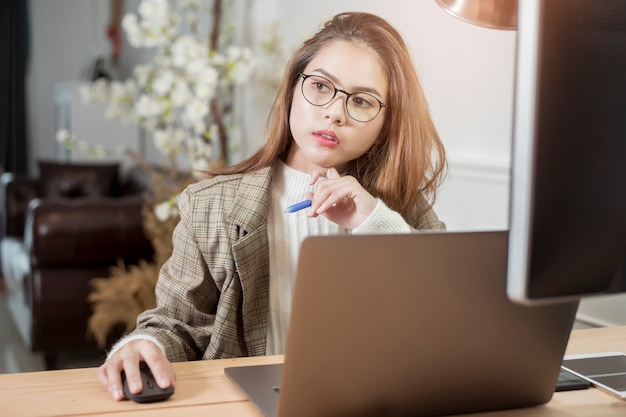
(348, 95)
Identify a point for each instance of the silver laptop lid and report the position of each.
(415, 324)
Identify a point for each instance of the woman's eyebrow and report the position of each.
(362, 89)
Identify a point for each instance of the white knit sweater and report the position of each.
(286, 231)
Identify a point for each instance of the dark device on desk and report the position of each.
(570, 382)
(568, 189)
(150, 392)
(604, 370)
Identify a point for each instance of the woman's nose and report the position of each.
(336, 109)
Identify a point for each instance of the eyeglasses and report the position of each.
(360, 106)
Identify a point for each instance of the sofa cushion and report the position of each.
(71, 180)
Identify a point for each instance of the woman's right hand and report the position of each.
(127, 358)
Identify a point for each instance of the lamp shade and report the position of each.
(493, 14)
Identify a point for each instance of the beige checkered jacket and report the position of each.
(213, 292)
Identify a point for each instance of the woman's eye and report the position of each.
(363, 101)
(321, 87)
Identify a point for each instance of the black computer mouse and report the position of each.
(150, 391)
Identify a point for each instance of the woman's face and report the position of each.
(326, 136)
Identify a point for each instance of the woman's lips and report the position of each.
(326, 137)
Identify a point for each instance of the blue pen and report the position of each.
(298, 206)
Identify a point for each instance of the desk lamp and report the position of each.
(493, 14)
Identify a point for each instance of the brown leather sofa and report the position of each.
(58, 231)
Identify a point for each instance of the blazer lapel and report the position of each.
(251, 256)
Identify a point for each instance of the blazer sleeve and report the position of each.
(186, 296)
(428, 220)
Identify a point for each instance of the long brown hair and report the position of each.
(409, 163)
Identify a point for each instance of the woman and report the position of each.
(350, 131)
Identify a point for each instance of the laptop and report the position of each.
(411, 324)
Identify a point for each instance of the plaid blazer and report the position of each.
(213, 292)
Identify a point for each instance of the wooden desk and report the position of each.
(203, 390)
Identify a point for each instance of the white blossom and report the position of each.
(195, 111)
(86, 93)
(153, 10)
(164, 143)
(147, 106)
(181, 93)
(166, 209)
(171, 95)
(163, 83)
(198, 127)
(131, 27)
(186, 49)
(198, 166)
(63, 136)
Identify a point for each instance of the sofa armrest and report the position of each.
(86, 231)
(16, 191)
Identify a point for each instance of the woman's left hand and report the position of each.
(341, 200)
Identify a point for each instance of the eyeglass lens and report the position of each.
(320, 91)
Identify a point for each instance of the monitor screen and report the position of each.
(568, 188)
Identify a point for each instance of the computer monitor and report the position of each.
(568, 188)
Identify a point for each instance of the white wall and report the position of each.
(63, 39)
